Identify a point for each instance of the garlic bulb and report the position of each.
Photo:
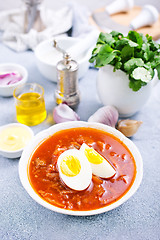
(63, 113)
(128, 126)
(107, 115)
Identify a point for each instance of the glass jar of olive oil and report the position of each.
(30, 104)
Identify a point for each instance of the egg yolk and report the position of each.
(93, 156)
(70, 166)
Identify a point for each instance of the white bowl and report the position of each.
(17, 153)
(7, 90)
(26, 156)
(47, 67)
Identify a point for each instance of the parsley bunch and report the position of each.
(135, 54)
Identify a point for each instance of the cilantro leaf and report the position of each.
(116, 35)
(128, 53)
(136, 85)
(96, 49)
(92, 59)
(146, 49)
(122, 42)
(158, 70)
(131, 64)
(105, 56)
(141, 73)
(105, 38)
(153, 45)
(135, 37)
(117, 65)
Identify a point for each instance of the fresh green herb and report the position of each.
(135, 54)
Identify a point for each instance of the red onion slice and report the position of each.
(63, 113)
(10, 78)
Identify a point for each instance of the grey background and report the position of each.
(21, 218)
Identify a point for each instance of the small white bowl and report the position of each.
(17, 153)
(40, 137)
(48, 68)
(7, 90)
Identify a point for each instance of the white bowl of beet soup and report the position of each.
(81, 168)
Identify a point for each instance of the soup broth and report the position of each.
(45, 180)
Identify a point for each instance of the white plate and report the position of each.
(26, 157)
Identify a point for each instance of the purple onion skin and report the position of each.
(63, 113)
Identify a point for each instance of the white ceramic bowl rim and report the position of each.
(12, 67)
(27, 153)
(16, 125)
(85, 57)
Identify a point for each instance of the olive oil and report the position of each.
(30, 108)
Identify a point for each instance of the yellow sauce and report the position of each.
(14, 138)
(30, 109)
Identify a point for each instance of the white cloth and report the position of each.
(81, 24)
(12, 25)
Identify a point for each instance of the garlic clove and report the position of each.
(128, 126)
(107, 115)
(63, 113)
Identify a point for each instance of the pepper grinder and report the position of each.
(32, 18)
(67, 80)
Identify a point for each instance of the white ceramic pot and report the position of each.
(113, 89)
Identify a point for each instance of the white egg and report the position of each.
(100, 166)
(74, 169)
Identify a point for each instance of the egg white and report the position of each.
(83, 179)
(103, 169)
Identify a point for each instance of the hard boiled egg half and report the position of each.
(74, 169)
(100, 166)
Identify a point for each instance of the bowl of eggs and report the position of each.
(81, 168)
(11, 76)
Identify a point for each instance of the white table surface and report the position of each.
(21, 218)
